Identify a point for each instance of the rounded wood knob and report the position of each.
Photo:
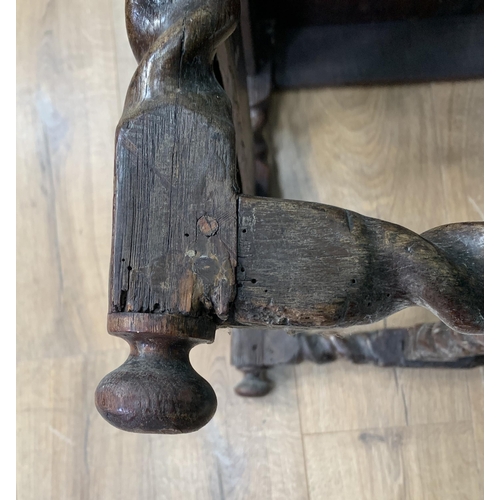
(156, 390)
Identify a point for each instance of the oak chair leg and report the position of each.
(254, 383)
(249, 348)
(259, 92)
(190, 254)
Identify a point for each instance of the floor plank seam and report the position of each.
(301, 432)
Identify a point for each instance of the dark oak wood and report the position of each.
(430, 345)
(231, 58)
(283, 272)
(305, 264)
(320, 12)
(156, 389)
(450, 48)
(189, 254)
(260, 86)
(163, 260)
(174, 219)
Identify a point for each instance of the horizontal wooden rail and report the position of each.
(305, 264)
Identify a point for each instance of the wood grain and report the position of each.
(363, 464)
(66, 71)
(396, 463)
(412, 155)
(339, 397)
(434, 395)
(84, 457)
(164, 260)
(310, 265)
(394, 153)
(231, 59)
(380, 151)
(429, 452)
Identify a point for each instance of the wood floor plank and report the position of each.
(459, 126)
(67, 112)
(440, 462)
(67, 451)
(394, 464)
(51, 423)
(359, 143)
(434, 396)
(366, 465)
(476, 394)
(343, 396)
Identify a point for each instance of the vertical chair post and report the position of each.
(174, 218)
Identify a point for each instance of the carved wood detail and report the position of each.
(429, 345)
(188, 255)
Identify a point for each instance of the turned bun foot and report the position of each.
(254, 384)
(156, 390)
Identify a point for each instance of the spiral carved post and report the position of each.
(174, 217)
(429, 345)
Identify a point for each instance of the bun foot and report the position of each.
(156, 390)
(254, 384)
